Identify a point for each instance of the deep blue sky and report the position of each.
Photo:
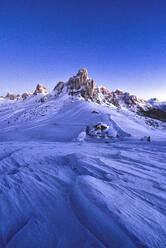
(122, 43)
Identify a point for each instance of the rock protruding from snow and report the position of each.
(59, 87)
(25, 95)
(106, 131)
(82, 87)
(40, 89)
(119, 92)
(78, 85)
(83, 73)
(12, 96)
(81, 84)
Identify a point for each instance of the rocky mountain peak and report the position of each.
(40, 89)
(83, 73)
(82, 87)
(119, 92)
(79, 80)
(81, 84)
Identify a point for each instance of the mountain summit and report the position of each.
(85, 87)
(78, 85)
(81, 87)
(40, 89)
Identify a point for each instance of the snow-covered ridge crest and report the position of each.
(82, 87)
(40, 90)
(79, 105)
(86, 88)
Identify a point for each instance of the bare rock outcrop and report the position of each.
(40, 89)
(25, 95)
(81, 84)
(12, 96)
(59, 87)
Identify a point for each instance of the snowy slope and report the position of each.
(157, 104)
(77, 172)
(62, 119)
(71, 195)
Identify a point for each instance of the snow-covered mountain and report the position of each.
(84, 88)
(76, 106)
(83, 167)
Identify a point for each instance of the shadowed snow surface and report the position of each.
(59, 188)
(63, 119)
(55, 195)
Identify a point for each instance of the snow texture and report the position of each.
(65, 187)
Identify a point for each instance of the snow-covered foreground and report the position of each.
(74, 195)
(75, 174)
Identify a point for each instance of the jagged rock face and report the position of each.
(125, 98)
(81, 84)
(105, 91)
(25, 95)
(119, 92)
(40, 89)
(12, 96)
(17, 96)
(83, 73)
(78, 85)
(59, 87)
(83, 87)
(89, 90)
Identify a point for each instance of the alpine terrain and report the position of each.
(82, 167)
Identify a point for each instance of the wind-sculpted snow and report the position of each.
(77, 195)
(77, 174)
(63, 119)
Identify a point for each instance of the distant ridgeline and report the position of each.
(82, 87)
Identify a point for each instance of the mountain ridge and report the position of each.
(79, 171)
(84, 88)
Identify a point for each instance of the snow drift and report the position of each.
(77, 169)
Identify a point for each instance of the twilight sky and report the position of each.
(122, 43)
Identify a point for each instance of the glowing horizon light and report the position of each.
(122, 44)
